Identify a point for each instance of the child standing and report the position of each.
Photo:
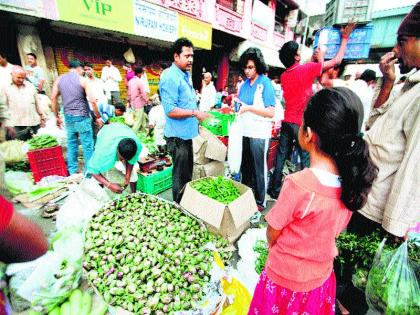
(314, 206)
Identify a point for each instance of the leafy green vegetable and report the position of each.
(217, 188)
(392, 286)
(42, 142)
(261, 248)
(147, 140)
(117, 119)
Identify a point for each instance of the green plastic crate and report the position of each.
(224, 121)
(155, 183)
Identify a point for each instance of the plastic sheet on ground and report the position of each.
(246, 265)
(54, 275)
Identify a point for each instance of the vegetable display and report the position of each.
(42, 142)
(117, 119)
(146, 256)
(261, 248)
(217, 188)
(147, 140)
(78, 303)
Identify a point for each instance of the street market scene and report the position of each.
(209, 157)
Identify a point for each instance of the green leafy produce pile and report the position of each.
(18, 166)
(147, 140)
(218, 188)
(360, 251)
(42, 142)
(117, 119)
(144, 255)
(393, 287)
(261, 248)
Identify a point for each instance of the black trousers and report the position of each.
(254, 167)
(288, 133)
(181, 152)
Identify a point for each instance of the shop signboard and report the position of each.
(200, 33)
(154, 21)
(40, 8)
(115, 15)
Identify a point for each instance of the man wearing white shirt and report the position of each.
(363, 88)
(5, 71)
(208, 93)
(111, 76)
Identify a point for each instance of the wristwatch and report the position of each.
(193, 115)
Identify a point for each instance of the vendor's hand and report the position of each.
(244, 108)
(387, 66)
(201, 115)
(346, 31)
(116, 188)
(59, 122)
(42, 118)
(11, 132)
(99, 122)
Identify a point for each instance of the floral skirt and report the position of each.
(270, 298)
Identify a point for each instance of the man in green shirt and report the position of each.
(116, 146)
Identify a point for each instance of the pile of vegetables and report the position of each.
(217, 188)
(21, 166)
(42, 142)
(261, 248)
(146, 139)
(79, 303)
(359, 252)
(117, 119)
(146, 256)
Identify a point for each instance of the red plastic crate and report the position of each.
(272, 151)
(45, 162)
(225, 140)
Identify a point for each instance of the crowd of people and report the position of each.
(358, 149)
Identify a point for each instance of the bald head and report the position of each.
(18, 75)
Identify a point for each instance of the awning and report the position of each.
(271, 55)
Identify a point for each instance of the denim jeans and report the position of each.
(78, 127)
(289, 133)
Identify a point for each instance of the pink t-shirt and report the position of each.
(136, 91)
(296, 83)
(310, 217)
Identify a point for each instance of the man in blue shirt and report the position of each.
(182, 116)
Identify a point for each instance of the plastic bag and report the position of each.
(19, 182)
(130, 117)
(85, 199)
(392, 286)
(12, 151)
(235, 146)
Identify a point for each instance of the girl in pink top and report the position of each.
(313, 207)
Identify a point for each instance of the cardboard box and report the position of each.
(229, 221)
(213, 168)
(206, 147)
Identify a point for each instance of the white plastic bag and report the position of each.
(235, 146)
(82, 203)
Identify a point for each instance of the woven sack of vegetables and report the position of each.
(392, 286)
(146, 256)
